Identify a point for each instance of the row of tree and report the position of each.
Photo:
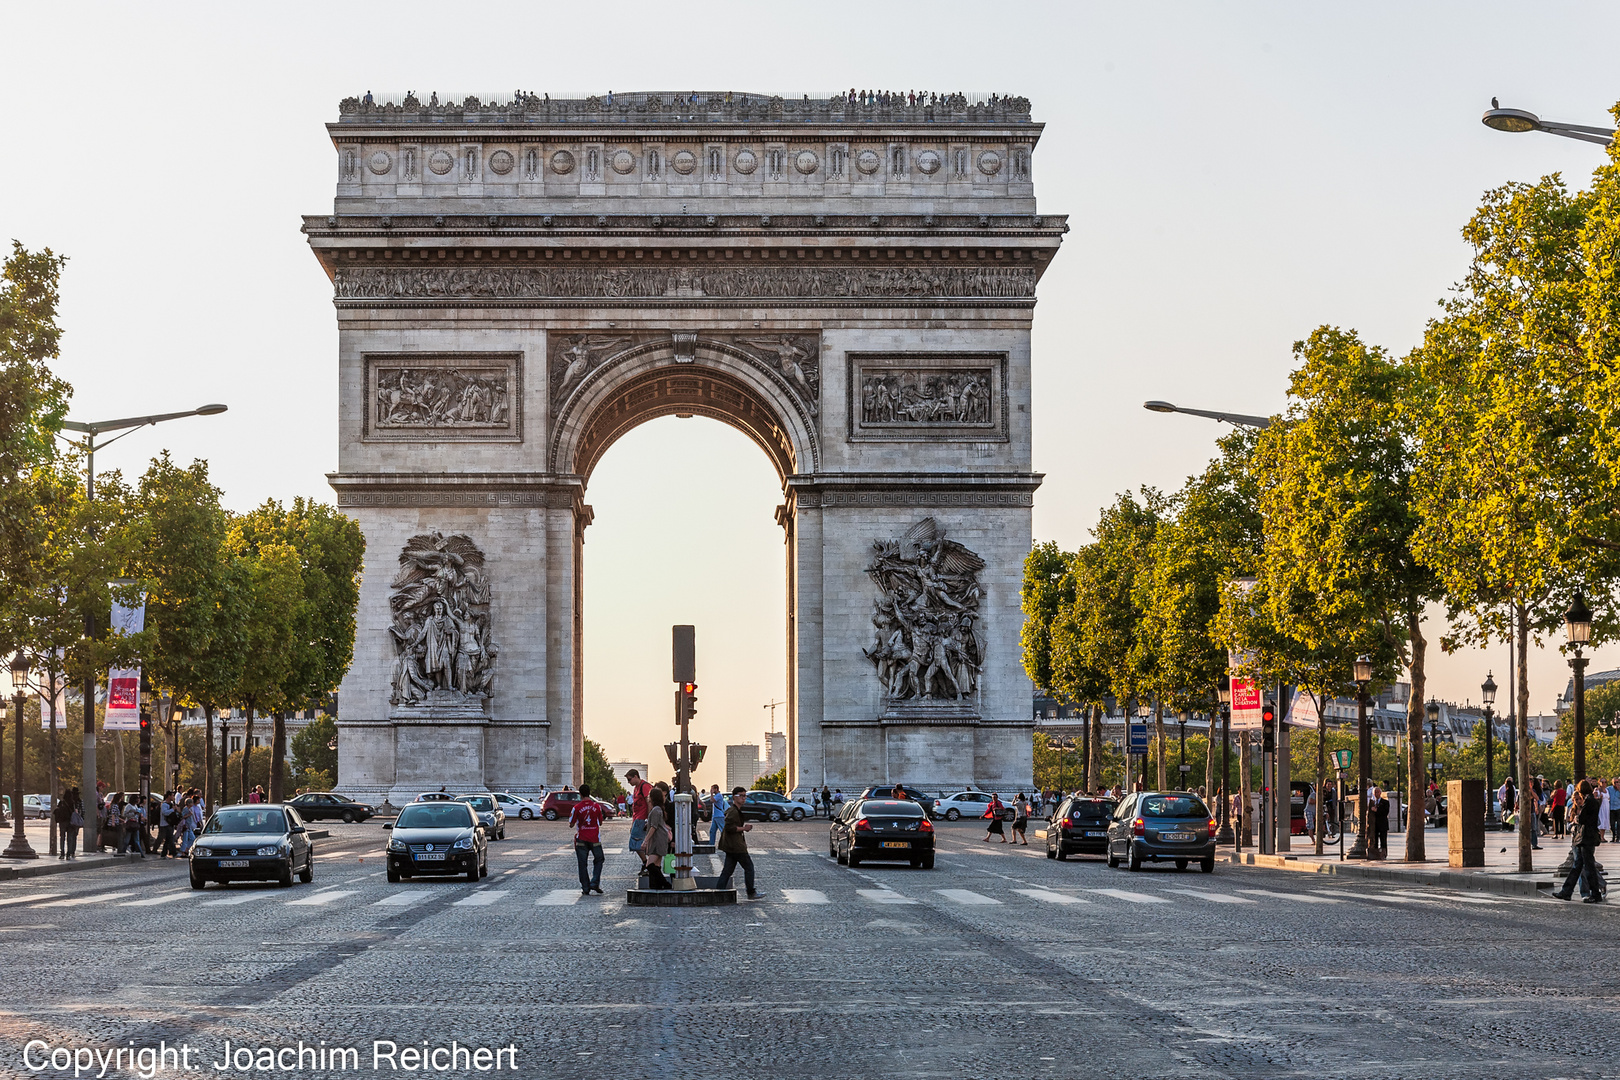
(254, 611)
(1479, 471)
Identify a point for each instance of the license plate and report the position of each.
(232, 864)
(1175, 836)
(430, 856)
(1092, 832)
(897, 843)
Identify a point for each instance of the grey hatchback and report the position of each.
(1162, 825)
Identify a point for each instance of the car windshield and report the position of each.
(339, 798)
(269, 822)
(480, 802)
(1091, 810)
(452, 816)
(1174, 806)
(891, 808)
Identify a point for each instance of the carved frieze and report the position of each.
(927, 646)
(912, 396)
(443, 654)
(774, 283)
(795, 359)
(443, 396)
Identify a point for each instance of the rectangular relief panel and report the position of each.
(925, 396)
(443, 397)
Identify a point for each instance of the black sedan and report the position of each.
(1079, 827)
(869, 829)
(1168, 826)
(261, 842)
(330, 806)
(437, 838)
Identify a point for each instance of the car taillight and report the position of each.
(1065, 826)
(863, 825)
(1212, 827)
(926, 826)
(1139, 827)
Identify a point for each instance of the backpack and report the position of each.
(172, 818)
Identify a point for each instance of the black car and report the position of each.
(886, 791)
(490, 814)
(329, 806)
(1079, 827)
(869, 829)
(254, 842)
(438, 837)
(1162, 825)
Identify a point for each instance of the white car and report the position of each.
(36, 806)
(517, 806)
(964, 804)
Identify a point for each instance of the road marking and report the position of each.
(1133, 897)
(613, 851)
(805, 896)
(153, 901)
(521, 852)
(322, 898)
(30, 899)
(481, 899)
(1049, 897)
(240, 898)
(560, 898)
(1458, 899)
(967, 897)
(885, 896)
(75, 901)
(1297, 897)
(1213, 897)
(403, 899)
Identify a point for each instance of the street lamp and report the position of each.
(1578, 632)
(19, 848)
(1235, 419)
(1487, 694)
(1432, 712)
(1144, 709)
(1519, 120)
(1363, 673)
(90, 430)
(1223, 689)
(1182, 767)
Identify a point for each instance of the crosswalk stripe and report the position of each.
(481, 899)
(560, 898)
(1133, 897)
(521, 851)
(1459, 897)
(1297, 897)
(75, 901)
(240, 898)
(1049, 897)
(403, 899)
(885, 896)
(805, 896)
(30, 899)
(153, 901)
(967, 897)
(1213, 897)
(322, 898)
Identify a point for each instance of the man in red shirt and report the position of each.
(639, 791)
(587, 822)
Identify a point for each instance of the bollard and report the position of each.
(1465, 822)
(683, 843)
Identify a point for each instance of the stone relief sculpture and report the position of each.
(580, 353)
(440, 607)
(796, 356)
(925, 396)
(926, 641)
(426, 398)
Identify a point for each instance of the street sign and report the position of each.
(1186, 768)
(1343, 758)
(1139, 738)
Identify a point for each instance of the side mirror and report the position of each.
(299, 828)
(388, 824)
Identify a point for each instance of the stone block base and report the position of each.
(671, 898)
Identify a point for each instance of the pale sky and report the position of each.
(1235, 175)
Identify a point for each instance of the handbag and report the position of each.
(76, 819)
(669, 865)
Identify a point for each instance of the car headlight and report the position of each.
(204, 852)
(270, 851)
(464, 843)
(396, 845)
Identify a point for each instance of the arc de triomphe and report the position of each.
(850, 283)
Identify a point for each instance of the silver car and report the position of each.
(490, 814)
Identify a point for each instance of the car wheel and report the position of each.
(285, 880)
(1207, 865)
(1051, 853)
(551, 815)
(198, 882)
(307, 874)
(1133, 860)
(1113, 863)
(503, 832)
(348, 817)
(953, 814)
(1181, 864)
(928, 861)
(774, 815)
(472, 871)
(916, 862)
(483, 866)
(853, 858)
(843, 860)
(798, 815)
(526, 814)
(1058, 852)
(393, 876)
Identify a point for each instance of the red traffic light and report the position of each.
(146, 722)
(1267, 714)
(689, 688)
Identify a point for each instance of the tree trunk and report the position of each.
(278, 755)
(1094, 757)
(247, 752)
(1245, 769)
(118, 745)
(208, 760)
(1522, 738)
(1416, 777)
(1158, 740)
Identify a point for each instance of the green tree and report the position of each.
(272, 608)
(313, 751)
(604, 785)
(776, 781)
(1046, 590)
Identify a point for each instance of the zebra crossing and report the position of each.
(1166, 897)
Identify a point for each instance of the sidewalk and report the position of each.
(39, 838)
(1500, 874)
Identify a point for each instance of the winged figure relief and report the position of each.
(581, 355)
(794, 359)
(926, 642)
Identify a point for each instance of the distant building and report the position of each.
(775, 752)
(742, 766)
(620, 768)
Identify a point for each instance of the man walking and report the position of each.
(717, 813)
(735, 845)
(639, 790)
(586, 820)
(168, 818)
(1584, 841)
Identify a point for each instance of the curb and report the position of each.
(1453, 879)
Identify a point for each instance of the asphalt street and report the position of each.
(997, 963)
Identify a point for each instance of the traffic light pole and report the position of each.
(684, 657)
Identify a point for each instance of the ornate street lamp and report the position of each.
(1487, 694)
(1144, 709)
(1363, 672)
(1578, 632)
(1223, 689)
(19, 848)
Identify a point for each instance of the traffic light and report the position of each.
(146, 737)
(689, 696)
(1268, 728)
(695, 752)
(673, 751)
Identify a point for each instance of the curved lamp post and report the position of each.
(1519, 120)
(1224, 689)
(1487, 694)
(1235, 419)
(19, 848)
(1578, 632)
(1358, 850)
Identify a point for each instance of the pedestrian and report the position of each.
(1380, 822)
(1560, 800)
(639, 791)
(188, 824)
(63, 814)
(717, 813)
(734, 844)
(1614, 809)
(1605, 816)
(1310, 812)
(586, 819)
(168, 819)
(826, 800)
(1021, 819)
(838, 796)
(655, 844)
(994, 814)
(130, 822)
(1586, 838)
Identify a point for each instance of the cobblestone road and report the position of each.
(998, 963)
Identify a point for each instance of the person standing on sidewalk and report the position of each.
(1560, 799)
(168, 818)
(586, 819)
(65, 813)
(1585, 840)
(639, 791)
(1380, 822)
(735, 845)
(1614, 809)
(717, 813)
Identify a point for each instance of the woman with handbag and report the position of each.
(656, 843)
(994, 814)
(1583, 845)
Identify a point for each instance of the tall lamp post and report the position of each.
(1578, 632)
(1181, 766)
(19, 848)
(1224, 689)
(1518, 120)
(1144, 709)
(1358, 850)
(1487, 694)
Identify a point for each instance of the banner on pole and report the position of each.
(128, 620)
(1302, 711)
(123, 700)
